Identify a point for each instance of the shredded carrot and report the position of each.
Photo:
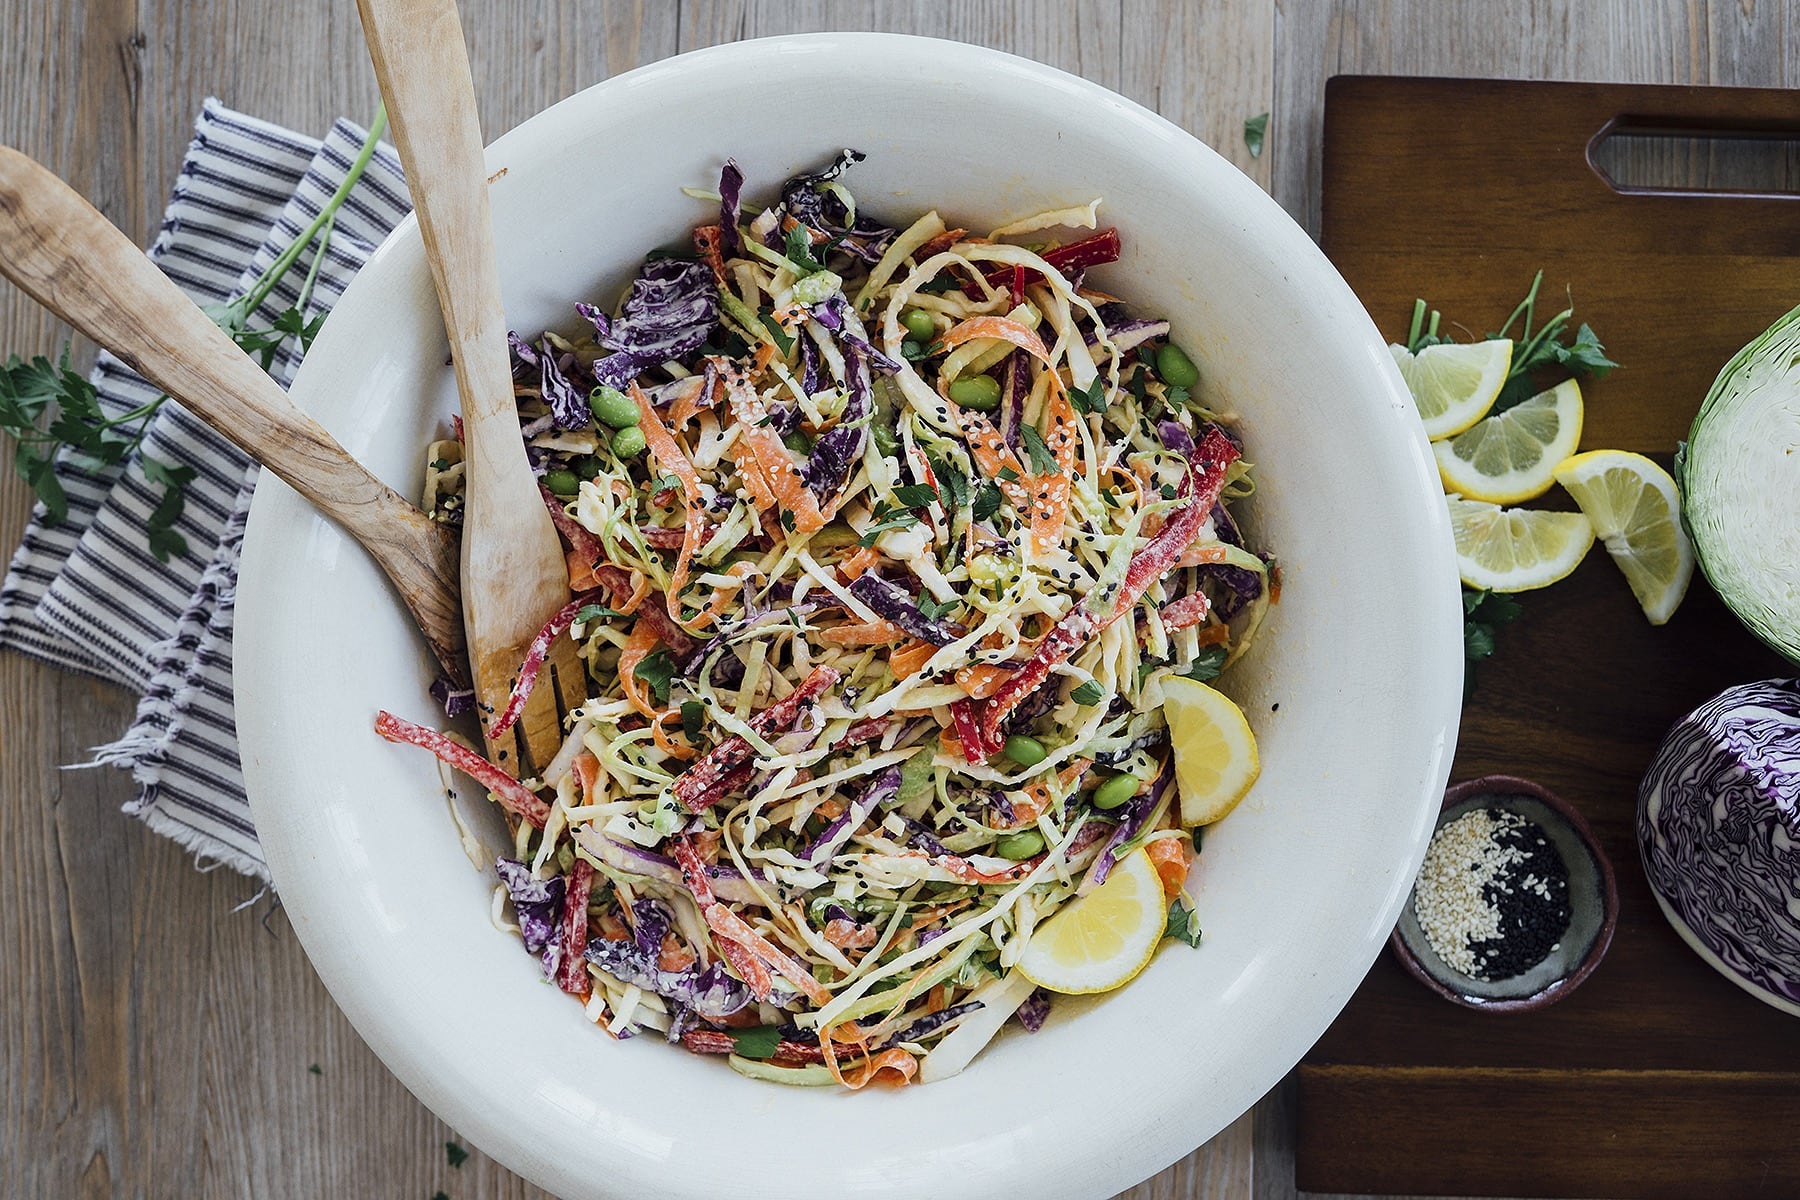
(1213, 635)
(708, 239)
(1172, 857)
(892, 1065)
(637, 648)
(995, 458)
(611, 928)
(665, 743)
(673, 956)
(1201, 552)
(858, 563)
(865, 633)
(1049, 491)
(686, 402)
(780, 483)
(906, 661)
(581, 573)
(831, 809)
(587, 770)
(1003, 329)
(981, 680)
(667, 452)
(938, 999)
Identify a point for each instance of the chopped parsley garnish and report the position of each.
(883, 519)
(1042, 461)
(1255, 130)
(1207, 664)
(986, 502)
(456, 1154)
(1088, 693)
(759, 1041)
(1182, 924)
(657, 672)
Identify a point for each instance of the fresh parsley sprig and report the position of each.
(1551, 345)
(1482, 612)
(52, 411)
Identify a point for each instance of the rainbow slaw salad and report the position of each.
(883, 541)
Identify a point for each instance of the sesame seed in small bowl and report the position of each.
(1515, 903)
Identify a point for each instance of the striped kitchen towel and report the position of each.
(85, 593)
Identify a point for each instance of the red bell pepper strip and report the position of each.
(709, 1041)
(513, 796)
(968, 732)
(1092, 251)
(1204, 481)
(535, 654)
(702, 784)
(1189, 610)
(571, 968)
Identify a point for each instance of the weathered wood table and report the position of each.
(154, 1040)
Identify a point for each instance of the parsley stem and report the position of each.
(1418, 322)
(312, 272)
(265, 283)
(1525, 309)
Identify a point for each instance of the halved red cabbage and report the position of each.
(1718, 827)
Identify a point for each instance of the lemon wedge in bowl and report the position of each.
(1636, 509)
(1453, 384)
(1513, 455)
(1516, 549)
(1102, 940)
(1215, 752)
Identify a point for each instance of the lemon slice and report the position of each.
(1100, 941)
(1635, 507)
(1215, 752)
(1516, 549)
(1454, 384)
(1513, 456)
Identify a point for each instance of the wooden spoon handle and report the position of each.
(68, 257)
(513, 571)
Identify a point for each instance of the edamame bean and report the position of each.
(1175, 367)
(629, 442)
(587, 466)
(1020, 846)
(1026, 751)
(979, 392)
(613, 407)
(562, 483)
(1116, 791)
(918, 325)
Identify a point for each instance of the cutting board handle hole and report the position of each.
(1661, 156)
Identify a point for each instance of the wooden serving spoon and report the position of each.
(514, 576)
(72, 260)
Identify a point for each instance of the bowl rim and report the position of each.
(1556, 989)
(1437, 703)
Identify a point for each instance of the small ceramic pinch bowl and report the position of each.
(1593, 905)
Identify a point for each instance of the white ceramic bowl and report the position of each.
(1296, 891)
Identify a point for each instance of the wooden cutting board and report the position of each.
(1657, 1078)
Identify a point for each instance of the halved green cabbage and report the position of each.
(1740, 481)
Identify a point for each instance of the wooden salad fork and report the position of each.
(68, 257)
(514, 576)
